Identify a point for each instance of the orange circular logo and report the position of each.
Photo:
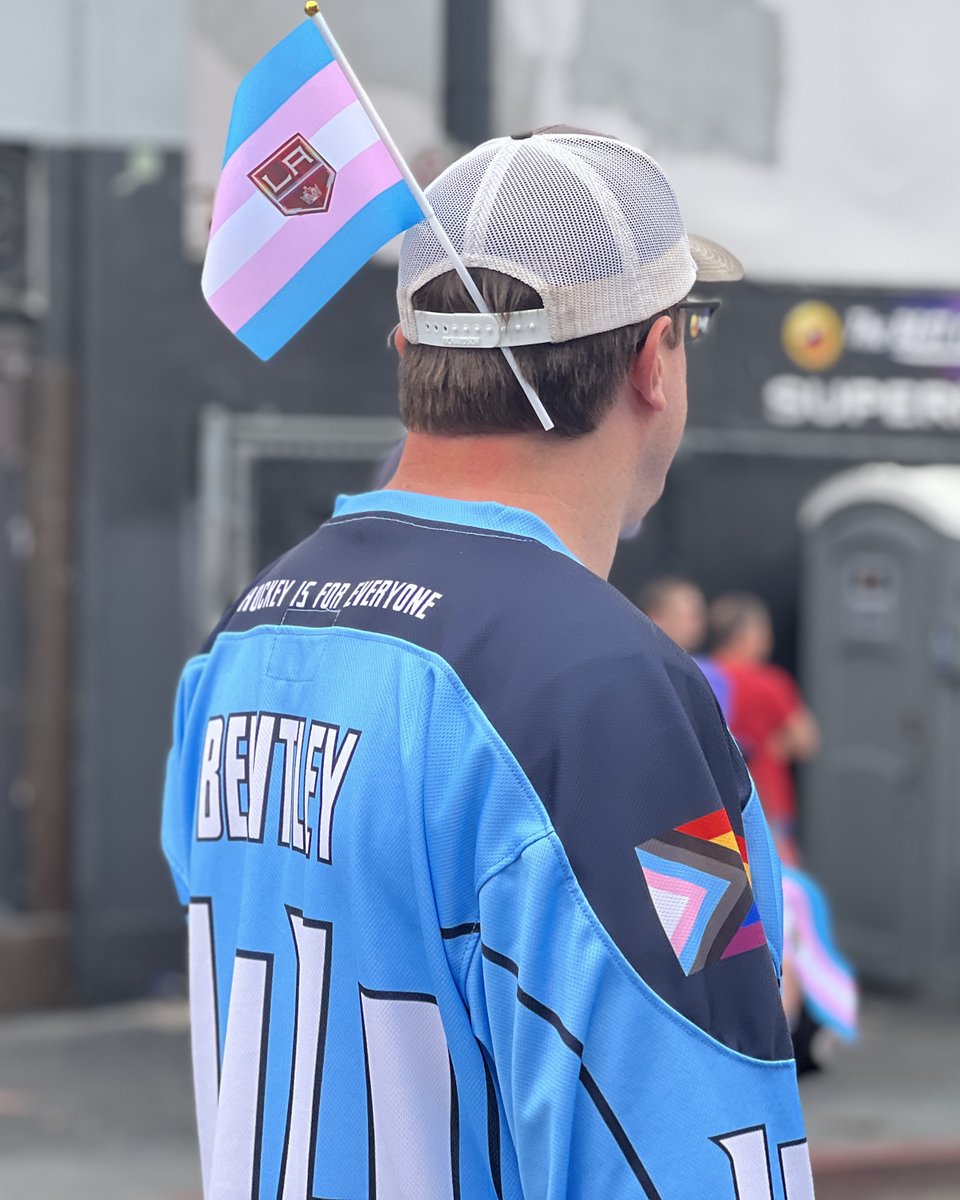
(813, 335)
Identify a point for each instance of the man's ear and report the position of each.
(646, 370)
(399, 341)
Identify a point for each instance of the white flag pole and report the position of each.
(312, 9)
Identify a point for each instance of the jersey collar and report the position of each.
(485, 514)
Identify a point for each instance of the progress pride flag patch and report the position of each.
(698, 876)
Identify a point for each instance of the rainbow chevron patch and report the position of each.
(699, 880)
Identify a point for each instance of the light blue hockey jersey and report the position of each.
(481, 901)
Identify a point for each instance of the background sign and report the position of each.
(837, 360)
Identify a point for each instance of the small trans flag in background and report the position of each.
(309, 193)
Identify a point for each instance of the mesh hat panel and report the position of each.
(590, 223)
(546, 215)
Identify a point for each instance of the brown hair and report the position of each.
(729, 615)
(474, 391)
(656, 593)
(450, 391)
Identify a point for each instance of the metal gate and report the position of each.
(267, 480)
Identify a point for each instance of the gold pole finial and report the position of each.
(311, 8)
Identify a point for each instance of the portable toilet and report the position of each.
(880, 668)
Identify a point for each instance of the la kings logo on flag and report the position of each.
(296, 178)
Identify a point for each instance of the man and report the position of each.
(463, 837)
(765, 711)
(677, 606)
(774, 728)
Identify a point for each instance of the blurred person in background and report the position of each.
(765, 710)
(679, 607)
(775, 729)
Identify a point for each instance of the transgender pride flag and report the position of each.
(309, 192)
(828, 983)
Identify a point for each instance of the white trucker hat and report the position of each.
(590, 223)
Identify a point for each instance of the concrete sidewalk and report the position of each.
(884, 1118)
(97, 1105)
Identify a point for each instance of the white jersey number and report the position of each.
(230, 1134)
(750, 1162)
(410, 1084)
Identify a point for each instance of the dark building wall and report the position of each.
(728, 522)
(16, 539)
(728, 516)
(151, 356)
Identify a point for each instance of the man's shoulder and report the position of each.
(535, 637)
(517, 579)
(527, 628)
(519, 619)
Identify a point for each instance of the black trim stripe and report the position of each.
(722, 1138)
(267, 960)
(327, 926)
(528, 1001)
(454, 1132)
(619, 1133)
(457, 931)
(207, 902)
(423, 997)
(781, 1146)
(493, 1125)
(593, 1091)
(371, 1146)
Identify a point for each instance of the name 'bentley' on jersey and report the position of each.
(240, 755)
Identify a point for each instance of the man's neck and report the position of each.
(557, 481)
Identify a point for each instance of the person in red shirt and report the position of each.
(765, 711)
(774, 728)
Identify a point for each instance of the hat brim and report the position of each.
(714, 263)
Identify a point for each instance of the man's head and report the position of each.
(454, 391)
(740, 628)
(577, 245)
(678, 607)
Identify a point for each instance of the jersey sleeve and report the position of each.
(178, 795)
(765, 877)
(625, 984)
(606, 1090)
